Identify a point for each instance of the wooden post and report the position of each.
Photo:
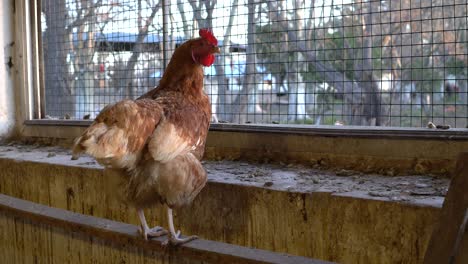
(449, 241)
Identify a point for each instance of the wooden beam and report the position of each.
(124, 234)
(449, 238)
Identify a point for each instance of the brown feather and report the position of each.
(158, 138)
(175, 183)
(119, 133)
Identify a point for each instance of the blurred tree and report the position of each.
(58, 92)
(70, 48)
(240, 105)
(349, 46)
(144, 24)
(222, 110)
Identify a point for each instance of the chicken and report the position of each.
(159, 139)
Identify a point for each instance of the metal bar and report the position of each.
(328, 131)
(125, 234)
(165, 9)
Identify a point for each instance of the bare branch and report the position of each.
(180, 6)
(142, 34)
(330, 74)
(197, 12)
(248, 84)
(227, 34)
(82, 19)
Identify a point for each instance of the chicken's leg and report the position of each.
(174, 238)
(146, 231)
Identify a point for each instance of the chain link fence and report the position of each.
(400, 63)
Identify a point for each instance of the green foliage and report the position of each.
(426, 78)
(377, 62)
(456, 66)
(306, 121)
(271, 48)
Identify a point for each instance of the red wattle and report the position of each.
(207, 60)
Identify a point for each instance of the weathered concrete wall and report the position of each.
(388, 156)
(123, 242)
(7, 100)
(29, 242)
(383, 155)
(317, 225)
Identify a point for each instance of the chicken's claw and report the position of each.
(174, 237)
(156, 231)
(176, 240)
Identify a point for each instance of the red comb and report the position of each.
(208, 35)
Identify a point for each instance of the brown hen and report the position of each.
(159, 139)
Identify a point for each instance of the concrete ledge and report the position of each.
(361, 153)
(366, 149)
(307, 219)
(126, 235)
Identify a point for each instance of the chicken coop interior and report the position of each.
(286, 131)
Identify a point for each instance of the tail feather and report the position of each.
(107, 144)
(88, 139)
(77, 149)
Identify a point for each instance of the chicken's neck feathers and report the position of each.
(183, 74)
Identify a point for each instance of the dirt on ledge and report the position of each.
(419, 189)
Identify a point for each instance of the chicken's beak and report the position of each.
(216, 50)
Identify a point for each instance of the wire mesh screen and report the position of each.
(383, 63)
